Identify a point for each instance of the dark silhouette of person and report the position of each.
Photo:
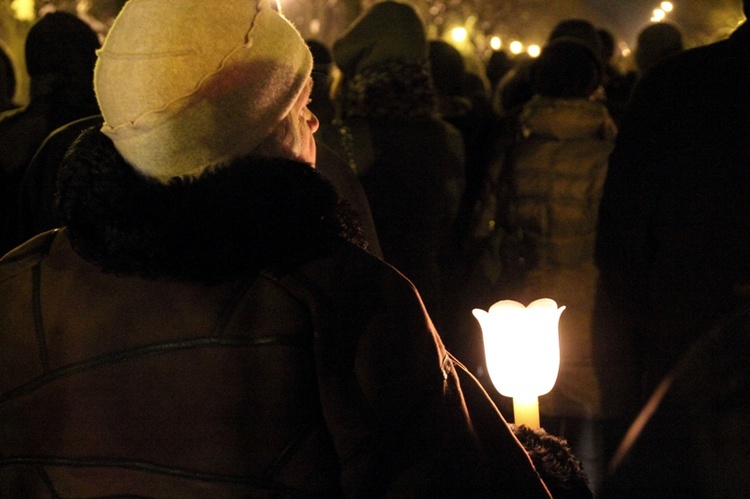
(410, 161)
(617, 85)
(60, 55)
(656, 42)
(516, 87)
(321, 104)
(672, 245)
(497, 66)
(8, 81)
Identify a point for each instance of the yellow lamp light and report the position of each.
(516, 47)
(522, 351)
(23, 9)
(459, 34)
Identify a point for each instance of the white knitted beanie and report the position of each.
(185, 85)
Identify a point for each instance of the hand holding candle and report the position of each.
(522, 350)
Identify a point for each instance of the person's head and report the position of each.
(566, 69)
(383, 64)
(448, 68)
(498, 66)
(581, 30)
(60, 47)
(321, 55)
(186, 87)
(656, 42)
(387, 32)
(293, 137)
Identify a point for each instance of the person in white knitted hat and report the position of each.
(207, 323)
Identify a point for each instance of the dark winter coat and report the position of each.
(225, 337)
(673, 232)
(690, 440)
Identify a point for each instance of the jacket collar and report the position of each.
(247, 216)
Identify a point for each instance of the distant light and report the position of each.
(667, 6)
(459, 34)
(315, 26)
(516, 47)
(83, 7)
(659, 15)
(496, 43)
(624, 49)
(534, 50)
(23, 9)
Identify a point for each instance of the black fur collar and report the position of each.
(249, 216)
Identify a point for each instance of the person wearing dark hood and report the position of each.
(207, 323)
(60, 56)
(410, 161)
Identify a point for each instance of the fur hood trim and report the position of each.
(248, 216)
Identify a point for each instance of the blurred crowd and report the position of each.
(624, 196)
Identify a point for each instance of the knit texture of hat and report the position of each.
(186, 85)
(387, 32)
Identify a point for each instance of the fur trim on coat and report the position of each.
(251, 215)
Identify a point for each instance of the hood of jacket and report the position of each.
(566, 119)
(248, 216)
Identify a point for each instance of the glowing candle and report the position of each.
(522, 350)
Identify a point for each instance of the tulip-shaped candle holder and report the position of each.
(522, 351)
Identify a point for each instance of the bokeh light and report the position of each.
(23, 9)
(459, 34)
(516, 47)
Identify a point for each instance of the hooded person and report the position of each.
(207, 323)
(411, 162)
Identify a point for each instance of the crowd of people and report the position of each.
(240, 263)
